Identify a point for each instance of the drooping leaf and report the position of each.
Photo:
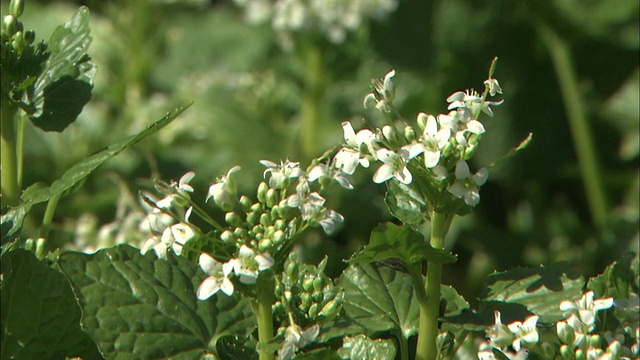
(145, 307)
(364, 348)
(538, 290)
(400, 242)
(380, 299)
(40, 317)
(65, 84)
(12, 221)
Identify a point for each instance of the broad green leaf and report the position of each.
(234, 348)
(364, 348)
(138, 306)
(12, 221)
(380, 299)
(405, 203)
(400, 242)
(539, 290)
(319, 354)
(618, 280)
(65, 84)
(40, 317)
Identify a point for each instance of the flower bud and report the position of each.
(307, 284)
(279, 224)
(278, 307)
(275, 212)
(232, 219)
(29, 36)
(245, 202)
(305, 301)
(390, 134)
(278, 237)
(262, 192)
(257, 207)
(615, 349)
(422, 120)
(580, 355)
(240, 233)
(567, 352)
(565, 333)
(409, 133)
(16, 7)
(548, 350)
(330, 309)
(227, 236)
(595, 341)
(265, 219)
(30, 245)
(18, 42)
(252, 217)
(264, 245)
(10, 25)
(318, 296)
(291, 269)
(272, 198)
(318, 283)
(313, 310)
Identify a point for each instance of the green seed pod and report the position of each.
(262, 192)
(313, 310)
(16, 7)
(265, 219)
(18, 42)
(30, 245)
(265, 245)
(10, 25)
(258, 229)
(409, 133)
(29, 36)
(232, 219)
(245, 202)
(567, 352)
(268, 232)
(307, 284)
(318, 283)
(227, 236)
(272, 198)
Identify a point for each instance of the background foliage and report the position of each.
(154, 55)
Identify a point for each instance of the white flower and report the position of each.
(493, 86)
(180, 190)
(395, 164)
(324, 172)
(177, 235)
(472, 101)
(584, 310)
(499, 334)
(248, 265)
(223, 191)
(433, 140)
(218, 278)
(281, 173)
(348, 158)
(157, 245)
(466, 185)
(383, 93)
(524, 332)
(330, 220)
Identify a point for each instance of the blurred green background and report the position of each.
(249, 94)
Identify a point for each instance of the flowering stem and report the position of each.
(583, 143)
(430, 305)
(262, 310)
(312, 99)
(10, 185)
(48, 215)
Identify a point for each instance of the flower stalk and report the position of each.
(262, 309)
(430, 303)
(9, 148)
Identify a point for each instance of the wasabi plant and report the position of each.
(218, 274)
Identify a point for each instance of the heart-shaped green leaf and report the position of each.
(139, 306)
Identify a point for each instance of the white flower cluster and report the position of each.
(333, 18)
(445, 141)
(518, 335)
(161, 222)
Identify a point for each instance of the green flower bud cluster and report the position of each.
(307, 293)
(14, 37)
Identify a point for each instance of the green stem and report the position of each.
(312, 100)
(262, 310)
(22, 120)
(583, 143)
(8, 147)
(430, 306)
(48, 215)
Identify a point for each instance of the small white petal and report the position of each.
(472, 197)
(481, 176)
(265, 261)
(458, 190)
(462, 170)
(208, 264)
(475, 126)
(209, 286)
(246, 251)
(404, 176)
(431, 158)
(384, 173)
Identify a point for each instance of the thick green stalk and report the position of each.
(8, 146)
(312, 100)
(430, 307)
(583, 143)
(262, 310)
